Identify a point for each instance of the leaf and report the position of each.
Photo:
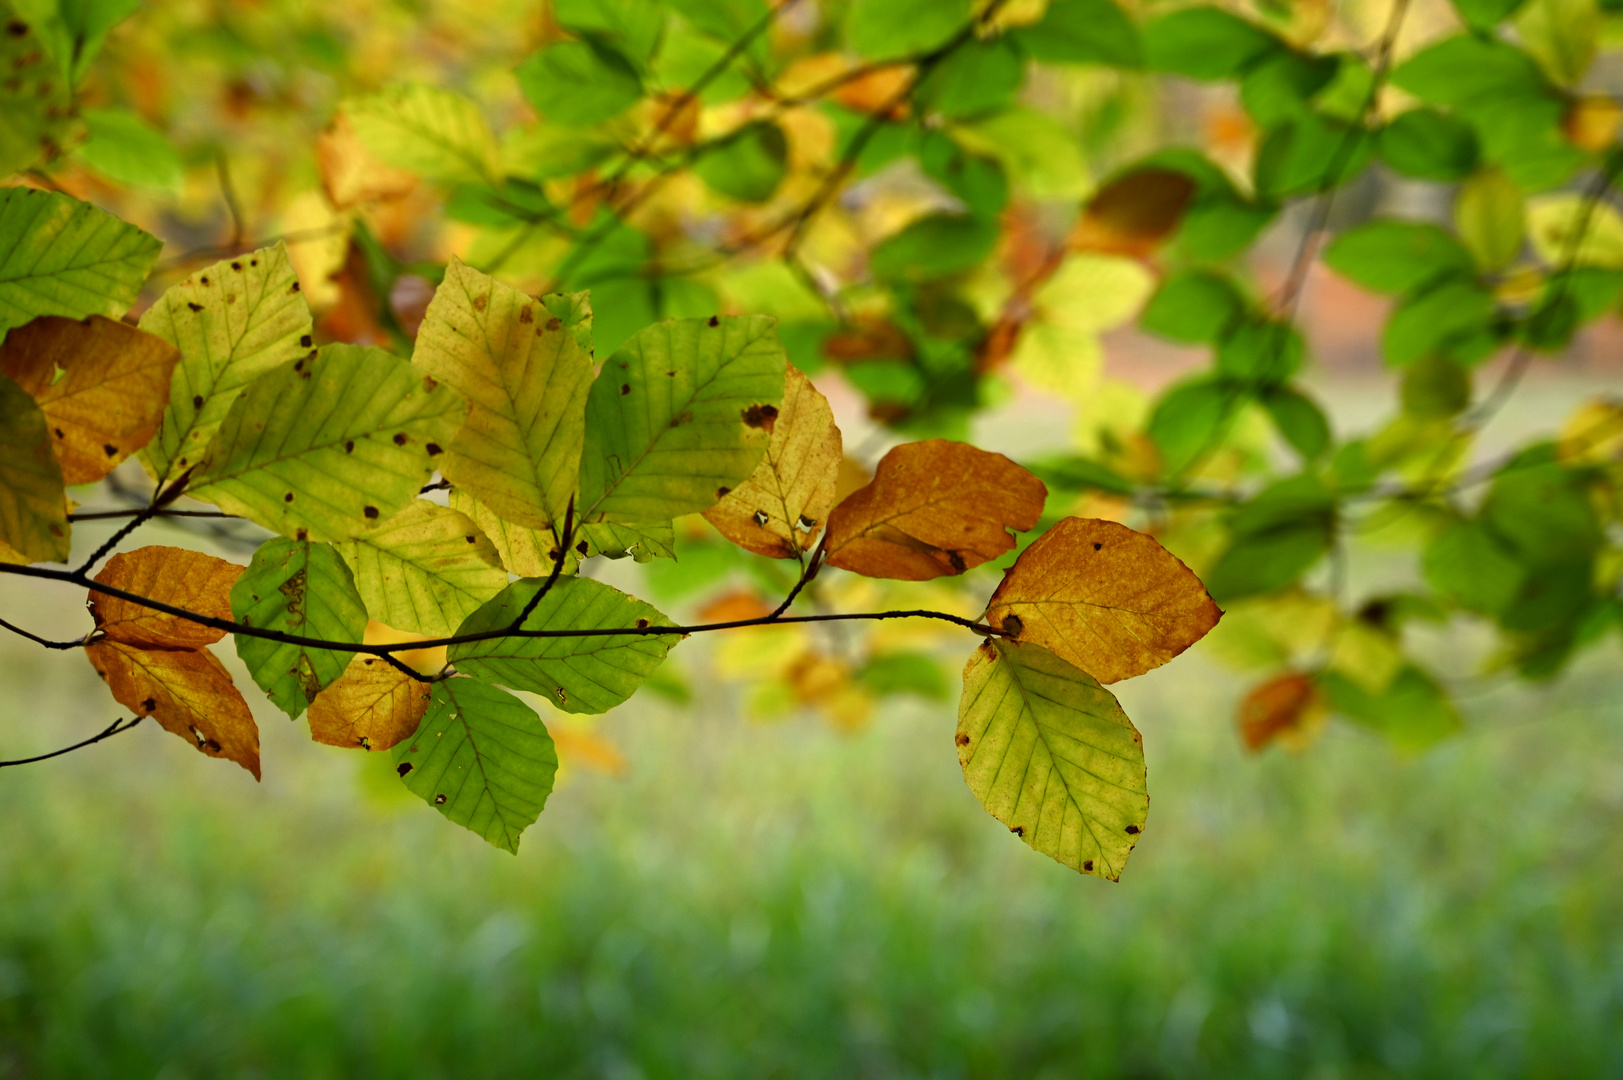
(782, 508)
(188, 691)
(526, 379)
(1103, 597)
(1049, 753)
(1193, 306)
(934, 508)
(482, 758)
(1082, 32)
(1191, 419)
(184, 579)
(1491, 216)
(587, 674)
(1396, 256)
(1467, 563)
(1135, 213)
(1299, 419)
(1309, 153)
(934, 246)
(678, 413)
(977, 181)
(1413, 712)
(73, 30)
(439, 135)
(1429, 145)
(631, 26)
(644, 543)
(1278, 534)
(372, 705)
(1486, 14)
(1553, 224)
(425, 569)
(1260, 352)
(33, 504)
(101, 384)
(747, 165)
(232, 322)
(523, 551)
(880, 29)
(579, 83)
(1471, 72)
(60, 256)
(1562, 35)
(328, 448)
(976, 79)
(1289, 708)
(125, 148)
(296, 587)
(35, 99)
(1205, 43)
(1453, 317)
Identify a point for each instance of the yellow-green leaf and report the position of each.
(425, 569)
(437, 134)
(523, 551)
(60, 256)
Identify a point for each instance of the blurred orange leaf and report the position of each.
(1134, 214)
(1289, 708)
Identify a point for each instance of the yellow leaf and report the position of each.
(523, 551)
(1491, 218)
(1591, 123)
(372, 705)
(188, 691)
(33, 505)
(185, 579)
(101, 384)
(1103, 597)
(1552, 224)
(579, 745)
(782, 507)
(934, 508)
(1593, 434)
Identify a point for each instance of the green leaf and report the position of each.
(1435, 387)
(232, 322)
(1050, 754)
(1194, 306)
(1429, 145)
(1279, 87)
(979, 78)
(544, 151)
(1190, 421)
(1486, 14)
(303, 588)
(424, 570)
(439, 135)
(35, 99)
(72, 31)
(125, 148)
(60, 256)
(329, 447)
(978, 181)
(579, 674)
(644, 543)
(1260, 351)
(1082, 32)
(1299, 419)
(482, 758)
(526, 376)
(747, 165)
(579, 83)
(1543, 511)
(1562, 35)
(1472, 567)
(880, 29)
(1396, 256)
(1412, 713)
(934, 246)
(1278, 535)
(905, 673)
(1454, 317)
(33, 504)
(678, 413)
(1205, 43)
(1472, 72)
(632, 27)
(1309, 153)
(1491, 215)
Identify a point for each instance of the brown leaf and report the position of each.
(186, 579)
(349, 172)
(372, 705)
(108, 400)
(782, 507)
(1289, 708)
(1103, 597)
(188, 691)
(1134, 214)
(934, 508)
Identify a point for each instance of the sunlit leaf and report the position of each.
(611, 539)
(60, 256)
(185, 579)
(425, 569)
(1049, 753)
(33, 504)
(934, 508)
(1553, 224)
(372, 705)
(329, 447)
(482, 758)
(435, 133)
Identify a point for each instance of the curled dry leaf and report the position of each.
(934, 508)
(188, 691)
(102, 385)
(372, 705)
(1289, 708)
(1110, 600)
(185, 579)
(1134, 214)
(782, 507)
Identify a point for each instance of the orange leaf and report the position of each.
(780, 509)
(1289, 708)
(188, 691)
(734, 607)
(1134, 214)
(1104, 598)
(349, 172)
(579, 745)
(108, 400)
(1591, 123)
(934, 508)
(186, 579)
(372, 705)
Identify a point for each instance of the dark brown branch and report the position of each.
(558, 557)
(36, 639)
(116, 727)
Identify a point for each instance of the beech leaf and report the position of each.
(1103, 597)
(33, 504)
(425, 569)
(934, 508)
(783, 506)
(60, 256)
(185, 579)
(372, 705)
(1289, 707)
(101, 384)
(35, 98)
(1134, 214)
(1049, 753)
(435, 133)
(523, 551)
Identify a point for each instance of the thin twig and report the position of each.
(227, 191)
(558, 558)
(116, 727)
(36, 639)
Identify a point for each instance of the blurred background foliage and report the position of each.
(1322, 294)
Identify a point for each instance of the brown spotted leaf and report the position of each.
(184, 579)
(102, 385)
(372, 705)
(782, 507)
(1289, 708)
(934, 508)
(188, 691)
(1105, 598)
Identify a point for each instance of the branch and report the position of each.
(558, 557)
(36, 639)
(117, 726)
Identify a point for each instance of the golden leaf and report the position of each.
(372, 705)
(782, 507)
(934, 508)
(1104, 598)
(186, 579)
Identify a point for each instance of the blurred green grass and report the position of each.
(783, 901)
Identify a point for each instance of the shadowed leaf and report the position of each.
(60, 256)
(1134, 214)
(33, 505)
(523, 551)
(425, 569)
(372, 705)
(185, 579)
(35, 99)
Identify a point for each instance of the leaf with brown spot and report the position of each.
(185, 579)
(1134, 214)
(934, 508)
(33, 505)
(1289, 708)
(372, 705)
(793, 486)
(1110, 600)
(425, 569)
(523, 551)
(188, 691)
(111, 393)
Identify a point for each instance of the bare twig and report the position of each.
(116, 727)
